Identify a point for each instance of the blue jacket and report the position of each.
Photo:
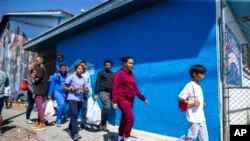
(57, 84)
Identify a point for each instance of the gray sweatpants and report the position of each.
(196, 129)
(105, 99)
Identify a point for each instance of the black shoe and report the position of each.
(76, 137)
(84, 126)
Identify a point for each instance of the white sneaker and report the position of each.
(126, 139)
(120, 138)
(28, 121)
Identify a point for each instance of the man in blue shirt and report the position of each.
(60, 60)
(56, 87)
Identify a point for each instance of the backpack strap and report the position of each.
(58, 78)
(194, 91)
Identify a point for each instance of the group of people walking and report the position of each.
(114, 89)
(74, 89)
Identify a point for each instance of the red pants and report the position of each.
(40, 109)
(127, 119)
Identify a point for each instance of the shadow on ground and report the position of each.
(110, 136)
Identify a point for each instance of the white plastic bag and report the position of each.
(49, 110)
(93, 112)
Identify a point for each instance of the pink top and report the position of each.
(124, 87)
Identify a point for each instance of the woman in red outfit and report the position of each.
(123, 94)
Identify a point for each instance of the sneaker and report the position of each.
(40, 127)
(120, 138)
(76, 137)
(35, 125)
(84, 126)
(28, 121)
(58, 124)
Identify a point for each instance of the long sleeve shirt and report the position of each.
(57, 84)
(104, 81)
(124, 87)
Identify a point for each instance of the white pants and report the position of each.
(196, 129)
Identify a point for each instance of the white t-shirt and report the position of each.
(7, 91)
(193, 91)
(86, 76)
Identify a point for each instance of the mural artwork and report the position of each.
(13, 59)
(232, 52)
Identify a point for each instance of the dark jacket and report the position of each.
(104, 81)
(41, 81)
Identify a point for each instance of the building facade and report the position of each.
(165, 38)
(17, 28)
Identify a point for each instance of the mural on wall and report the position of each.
(232, 52)
(14, 60)
(90, 69)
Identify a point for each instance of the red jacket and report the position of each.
(124, 87)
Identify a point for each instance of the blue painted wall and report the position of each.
(165, 41)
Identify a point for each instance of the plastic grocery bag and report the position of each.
(49, 110)
(93, 112)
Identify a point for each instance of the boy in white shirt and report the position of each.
(193, 96)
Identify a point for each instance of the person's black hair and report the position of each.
(40, 56)
(78, 66)
(63, 65)
(125, 59)
(197, 69)
(60, 55)
(84, 62)
(108, 61)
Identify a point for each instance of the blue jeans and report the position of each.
(83, 111)
(31, 102)
(61, 106)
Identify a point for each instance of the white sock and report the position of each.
(120, 138)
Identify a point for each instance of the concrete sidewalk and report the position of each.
(53, 133)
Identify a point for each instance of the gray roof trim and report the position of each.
(101, 14)
(58, 13)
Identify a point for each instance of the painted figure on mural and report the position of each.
(14, 60)
(24, 57)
